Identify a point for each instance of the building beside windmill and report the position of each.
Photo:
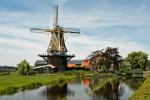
(42, 67)
(86, 64)
(74, 63)
(56, 56)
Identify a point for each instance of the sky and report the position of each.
(117, 23)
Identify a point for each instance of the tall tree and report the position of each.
(137, 59)
(112, 57)
(23, 68)
(105, 57)
(97, 59)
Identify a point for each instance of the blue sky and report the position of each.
(118, 23)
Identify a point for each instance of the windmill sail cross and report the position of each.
(57, 51)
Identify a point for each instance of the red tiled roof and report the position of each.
(71, 65)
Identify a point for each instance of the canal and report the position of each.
(81, 89)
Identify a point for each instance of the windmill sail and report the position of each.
(71, 30)
(55, 23)
(41, 30)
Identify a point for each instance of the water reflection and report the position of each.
(120, 89)
(57, 92)
(133, 83)
(82, 89)
(112, 91)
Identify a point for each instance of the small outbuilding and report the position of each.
(74, 63)
(44, 69)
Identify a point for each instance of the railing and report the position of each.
(58, 53)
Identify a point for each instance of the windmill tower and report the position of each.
(56, 54)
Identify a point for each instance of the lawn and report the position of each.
(13, 82)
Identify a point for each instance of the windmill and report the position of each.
(56, 54)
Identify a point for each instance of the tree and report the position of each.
(97, 59)
(112, 57)
(105, 57)
(23, 68)
(137, 59)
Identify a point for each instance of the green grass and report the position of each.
(143, 93)
(13, 83)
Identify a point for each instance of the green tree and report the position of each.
(23, 68)
(137, 59)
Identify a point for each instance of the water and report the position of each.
(120, 89)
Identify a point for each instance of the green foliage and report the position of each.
(23, 68)
(137, 59)
(124, 69)
(4, 73)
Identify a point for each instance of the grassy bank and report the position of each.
(13, 83)
(143, 93)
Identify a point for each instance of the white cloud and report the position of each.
(91, 20)
(17, 24)
(15, 49)
(87, 44)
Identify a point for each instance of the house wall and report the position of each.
(85, 64)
